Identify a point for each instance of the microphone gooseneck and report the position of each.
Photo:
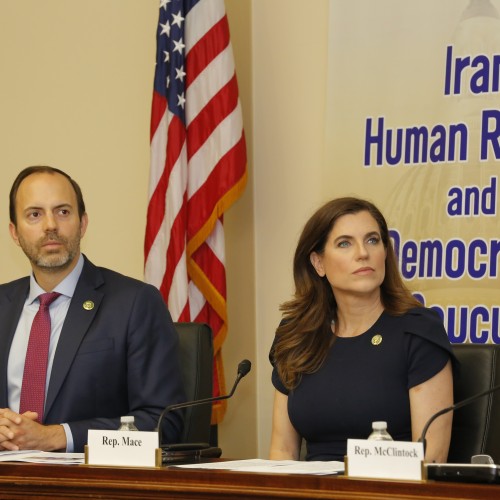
(243, 368)
(454, 407)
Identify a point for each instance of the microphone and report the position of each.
(243, 369)
(454, 407)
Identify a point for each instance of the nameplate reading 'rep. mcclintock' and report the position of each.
(123, 448)
(384, 459)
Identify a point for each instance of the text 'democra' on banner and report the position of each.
(413, 124)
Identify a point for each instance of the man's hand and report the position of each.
(23, 432)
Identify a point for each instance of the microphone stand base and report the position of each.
(463, 473)
(188, 453)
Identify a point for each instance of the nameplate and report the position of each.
(384, 459)
(125, 448)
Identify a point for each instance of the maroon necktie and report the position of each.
(35, 365)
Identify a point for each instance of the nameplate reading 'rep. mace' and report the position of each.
(122, 448)
(384, 459)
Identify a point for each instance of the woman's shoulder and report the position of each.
(426, 324)
(417, 318)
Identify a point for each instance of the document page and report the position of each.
(273, 466)
(42, 457)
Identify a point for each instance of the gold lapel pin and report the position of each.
(88, 305)
(377, 339)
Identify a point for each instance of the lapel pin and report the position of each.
(377, 339)
(88, 305)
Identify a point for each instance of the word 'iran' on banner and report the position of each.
(198, 166)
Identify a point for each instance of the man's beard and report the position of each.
(55, 261)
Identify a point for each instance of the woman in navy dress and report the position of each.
(354, 345)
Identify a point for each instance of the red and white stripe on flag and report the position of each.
(198, 166)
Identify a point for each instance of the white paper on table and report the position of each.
(273, 466)
(42, 457)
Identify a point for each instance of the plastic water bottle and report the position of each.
(127, 424)
(379, 432)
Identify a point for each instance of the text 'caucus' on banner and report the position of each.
(413, 124)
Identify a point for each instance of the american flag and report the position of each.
(198, 166)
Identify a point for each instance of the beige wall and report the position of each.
(76, 92)
(238, 431)
(289, 88)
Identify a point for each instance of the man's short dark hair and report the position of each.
(42, 169)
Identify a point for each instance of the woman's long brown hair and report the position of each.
(304, 336)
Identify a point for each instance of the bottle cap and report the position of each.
(379, 426)
(127, 419)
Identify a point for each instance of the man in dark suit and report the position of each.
(113, 346)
